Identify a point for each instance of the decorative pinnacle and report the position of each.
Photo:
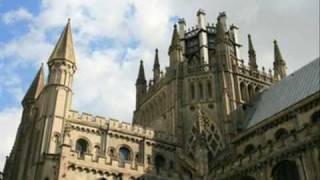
(277, 53)
(141, 76)
(250, 43)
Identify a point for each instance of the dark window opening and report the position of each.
(285, 170)
(124, 154)
(159, 163)
(82, 147)
(315, 117)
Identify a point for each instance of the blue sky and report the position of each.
(111, 40)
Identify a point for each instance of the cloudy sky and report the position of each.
(111, 37)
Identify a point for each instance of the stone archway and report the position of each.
(285, 170)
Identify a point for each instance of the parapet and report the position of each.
(121, 127)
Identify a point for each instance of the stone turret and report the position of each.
(141, 85)
(62, 66)
(252, 55)
(175, 49)
(203, 38)
(156, 67)
(279, 64)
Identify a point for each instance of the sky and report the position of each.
(111, 37)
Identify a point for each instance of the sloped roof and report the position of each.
(290, 90)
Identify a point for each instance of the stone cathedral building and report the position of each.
(207, 116)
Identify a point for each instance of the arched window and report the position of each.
(82, 147)
(315, 117)
(200, 90)
(159, 162)
(209, 89)
(285, 170)
(192, 91)
(243, 91)
(250, 149)
(124, 154)
(281, 134)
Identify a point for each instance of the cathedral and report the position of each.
(207, 116)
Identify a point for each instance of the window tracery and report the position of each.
(206, 131)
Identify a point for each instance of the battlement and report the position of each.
(119, 126)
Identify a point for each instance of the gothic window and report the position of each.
(192, 91)
(242, 91)
(205, 128)
(249, 150)
(159, 163)
(82, 147)
(124, 154)
(200, 90)
(285, 170)
(209, 89)
(315, 117)
(281, 134)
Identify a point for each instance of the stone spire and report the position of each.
(252, 55)
(175, 42)
(279, 65)
(175, 49)
(35, 88)
(141, 85)
(141, 76)
(156, 67)
(64, 47)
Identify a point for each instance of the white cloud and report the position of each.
(9, 120)
(20, 14)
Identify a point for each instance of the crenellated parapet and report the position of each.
(118, 126)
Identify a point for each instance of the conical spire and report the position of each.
(279, 65)
(35, 87)
(277, 53)
(175, 42)
(156, 60)
(141, 77)
(64, 47)
(156, 67)
(252, 55)
(251, 49)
